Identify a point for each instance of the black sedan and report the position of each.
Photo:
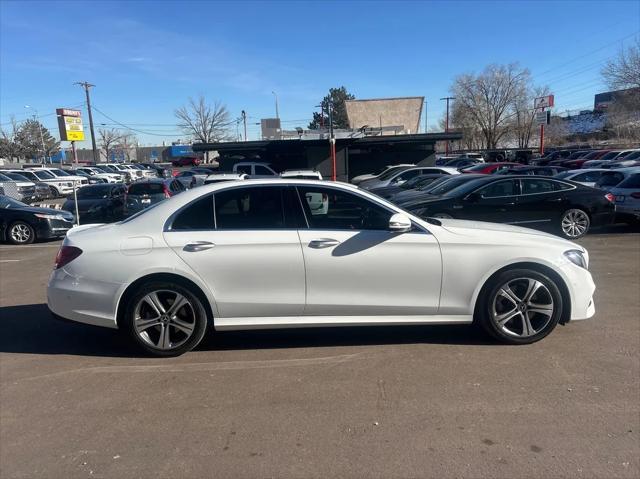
(103, 203)
(23, 224)
(566, 208)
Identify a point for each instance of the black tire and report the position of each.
(128, 321)
(20, 232)
(54, 192)
(574, 223)
(492, 301)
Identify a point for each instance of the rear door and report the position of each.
(245, 248)
(540, 201)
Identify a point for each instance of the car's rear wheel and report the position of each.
(165, 319)
(574, 223)
(21, 232)
(54, 192)
(520, 306)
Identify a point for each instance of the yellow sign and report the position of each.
(70, 125)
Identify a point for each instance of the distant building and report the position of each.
(388, 115)
(603, 101)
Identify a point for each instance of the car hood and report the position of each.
(486, 230)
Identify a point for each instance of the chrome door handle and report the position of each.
(198, 246)
(323, 243)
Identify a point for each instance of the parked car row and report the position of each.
(600, 158)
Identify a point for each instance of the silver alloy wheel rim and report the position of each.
(20, 233)
(164, 319)
(575, 223)
(522, 307)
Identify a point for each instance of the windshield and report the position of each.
(610, 155)
(4, 178)
(95, 192)
(59, 172)
(479, 167)
(44, 175)
(7, 202)
(146, 189)
(391, 171)
(450, 185)
(564, 174)
(17, 176)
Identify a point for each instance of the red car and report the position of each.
(577, 163)
(489, 168)
(185, 161)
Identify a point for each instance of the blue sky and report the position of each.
(147, 58)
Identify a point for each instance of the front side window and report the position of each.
(589, 177)
(532, 187)
(326, 208)
(250, 208)
(499, 189)
(407, 175)
(245, 169)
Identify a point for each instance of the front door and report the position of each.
(245, 252)
(495, 202)
(355, 266)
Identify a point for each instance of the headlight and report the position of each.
(49, 217)
(577, 257)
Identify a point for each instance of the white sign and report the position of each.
(543, 117)
(543, 102)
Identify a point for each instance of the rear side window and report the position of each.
(589, 177)
(610, 179)
(249, 208)
(560, 186)
(146, 189)
(632, 182)
(499, 189)
(261, 170)
(532, 187)
(197, 216)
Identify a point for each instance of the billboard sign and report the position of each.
(543, 117)
(543, 102)
(70, 124)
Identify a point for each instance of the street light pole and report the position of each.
(86, 86)
(446, 128)
(332, 143)
(244, 120)
(36, 117)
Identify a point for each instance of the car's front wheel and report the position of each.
(520, 306)
(165, 319)
(54, 192)
(21, 232)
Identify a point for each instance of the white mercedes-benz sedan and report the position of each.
(255, 254)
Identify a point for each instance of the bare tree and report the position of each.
(524, 115)
(109, 138)
(9, 147)
(203, 122)
(623, 71)
(489, 98)
(127, 145)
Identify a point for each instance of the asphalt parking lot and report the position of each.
(77, 401)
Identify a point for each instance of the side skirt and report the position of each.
(230, 324)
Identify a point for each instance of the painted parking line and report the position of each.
(7, 247)
(10, 260)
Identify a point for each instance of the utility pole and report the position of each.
(36, 118)
(426, 129)
(332, 144)
(446, 128)
(86, 87)
(244, 120)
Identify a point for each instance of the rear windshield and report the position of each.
(146, 189)
(449, 185)
(479, 167)
(632, 182)
(98, 191)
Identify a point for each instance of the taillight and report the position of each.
(167, 193)
(611, 198)
(635, 195)
(66, 254)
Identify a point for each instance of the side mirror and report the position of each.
(399, 223)
(473, 197)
